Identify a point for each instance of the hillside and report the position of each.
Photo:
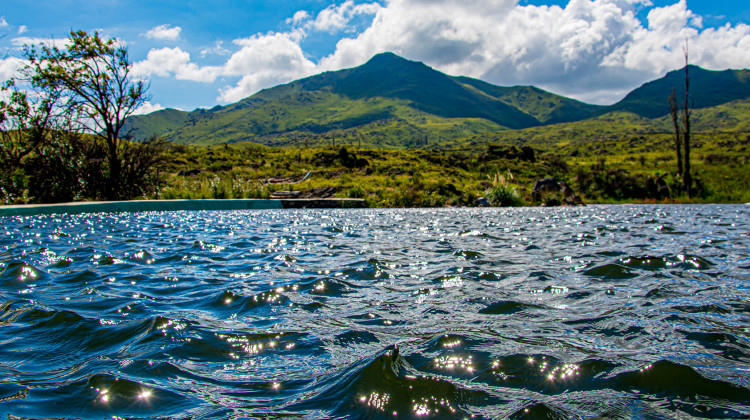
(393, 102)
(707, 89)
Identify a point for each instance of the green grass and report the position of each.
(607, 169)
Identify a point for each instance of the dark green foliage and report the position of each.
(68, 168)
(73, 167)
(503, 196)
(619, 184)
(12, 185)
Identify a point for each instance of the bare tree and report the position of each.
(681, 123)
(686, 113)
(674, 111)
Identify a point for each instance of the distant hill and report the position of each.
(545, 107)
(707, 89)
(393, 102)
(156, 123)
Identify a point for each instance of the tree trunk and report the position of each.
(686, 123)
(674, 113)
(115, 172)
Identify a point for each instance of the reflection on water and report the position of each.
(603, 311)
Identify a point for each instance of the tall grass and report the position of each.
(501, 193)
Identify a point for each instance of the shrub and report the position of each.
(501, 193)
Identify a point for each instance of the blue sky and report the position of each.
(203, 53)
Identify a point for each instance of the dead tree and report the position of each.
(674, 111)
(686, 126)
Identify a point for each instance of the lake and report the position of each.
(600, 311)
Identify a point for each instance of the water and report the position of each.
(611, 312)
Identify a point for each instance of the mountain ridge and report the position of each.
(394, 102)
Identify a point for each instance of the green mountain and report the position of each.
(156, 123)
(707, 89)
(393, 102)
(545, 107)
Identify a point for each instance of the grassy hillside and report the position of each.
(707, 89)
(393, 102)
(545, 107)
(157, 123)
(292, 117)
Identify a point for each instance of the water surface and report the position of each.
(603, 311)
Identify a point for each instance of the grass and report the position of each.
(613, 168)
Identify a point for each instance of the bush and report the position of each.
(501, 193)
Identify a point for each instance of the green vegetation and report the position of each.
(634, 168)
(61, 125)
(501, 193)
(395, 133)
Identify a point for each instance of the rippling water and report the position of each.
(611, 311)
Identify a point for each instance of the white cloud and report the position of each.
(166, 62)
(593, 50)
(164, 33)
(299, 17)
(9, 67)
(22, 29)
(264, 61)
(218, 49)
(586, 49)
(148, 108)
(336, 18)
(3, 22)
(20, 41)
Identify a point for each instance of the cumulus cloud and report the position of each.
(3, 22)
(299, 17)
(164, 33)
(167, 62)
(264, 61)
(337, 18)
(585, 49)
(148, 108)
(260, 62)
(10, 67)
(593, 50)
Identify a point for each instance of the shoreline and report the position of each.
(81, 207)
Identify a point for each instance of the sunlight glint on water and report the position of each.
(614, 311)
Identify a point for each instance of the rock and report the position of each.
(553, 186)
(482, 202)
(545, 185)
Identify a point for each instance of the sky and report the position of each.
(197, 53)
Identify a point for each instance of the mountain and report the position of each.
(155, 123)
(545, 107)
(393, 102)
(707, 89)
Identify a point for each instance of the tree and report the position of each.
(94, 75)
(686, 113)
(29, 115)
(674, 112)
(681, 123)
